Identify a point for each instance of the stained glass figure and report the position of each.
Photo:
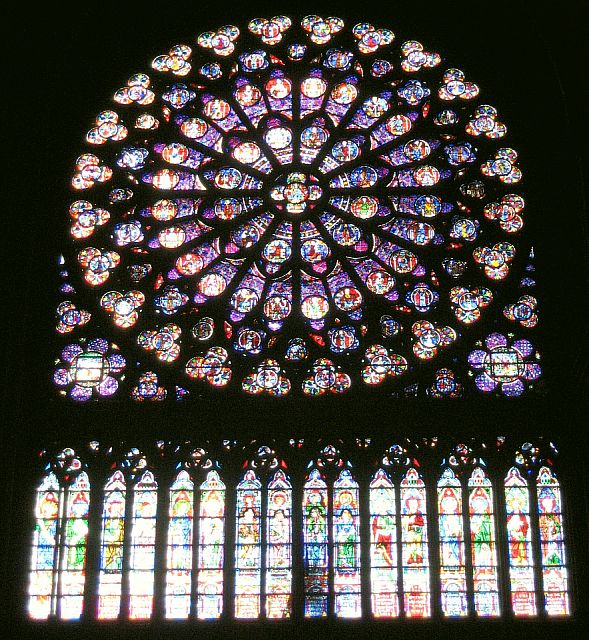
(414, 546)
(248, 551)
(519, 540)
(48, 512)
(398, 572)
(280, 183)
(279, 547)
(383, 547)
(452, 557)
(554, 562)
(111, 553)
(483, 544)
(316, 545)
(142, 552)
(211, 522)
(180, 547)
(73, 554)
(346, 546)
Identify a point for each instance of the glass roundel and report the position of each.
(297, 207)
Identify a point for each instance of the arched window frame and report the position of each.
(486, 601)
(203, 581)
(61, 585)
(112, 546)
(270, 591)
(554, 560)
(534, 474)
(328, 477)
(452, 545)
(414, 507)
(134, 592)
(520, 540)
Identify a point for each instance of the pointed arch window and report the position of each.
(519, 540)
(331, 536)
(316, 545)
(263, 579)
(483, 544)
(248, 548)
(195, 567)
(74, 550)
(180, 547)
(346, 545)
(414, 546)
(452, 554)
(58, 560)
(552, 547)
(279, 547)
(383, 546)
(142, 557)
(44, 553)
(211, 537)
(462, 568)
(112, 541)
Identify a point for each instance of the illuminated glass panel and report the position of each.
(279, 547)
(554, 562)
(483, 544)
(248, 560)
(519, 539)
(414, 543)
(315, 539)
(142, 556)
(44, 550)
(73, 559)
(346, 547)
(451, 531)
(111, 553)
(211, 522)
(383, 547)
(348, 182)
(180, 547)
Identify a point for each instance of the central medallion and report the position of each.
(296, 192)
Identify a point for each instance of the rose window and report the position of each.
(298, 207)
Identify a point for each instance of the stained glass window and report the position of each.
(403, 570)
(483, 544)
(248, 551)
(346, 544)
(211, 522)
(452, 553)
(554, 562)
(206, 559)
(263, 583)
(180, 547)
(279, 547)
(383, 547)
(316, 545)
(73, 560)
(58, 560)
(519, 539)
(331, 539)
(279, 196)
(44, 550)
(142, 556)
(414, 545)
(112, 540)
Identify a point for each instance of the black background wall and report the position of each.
(60, 69)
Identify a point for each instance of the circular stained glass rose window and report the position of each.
(299, 207)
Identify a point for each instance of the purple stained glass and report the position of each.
(271, 190)
(505, 367)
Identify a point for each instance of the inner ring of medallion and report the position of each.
(296, 192)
